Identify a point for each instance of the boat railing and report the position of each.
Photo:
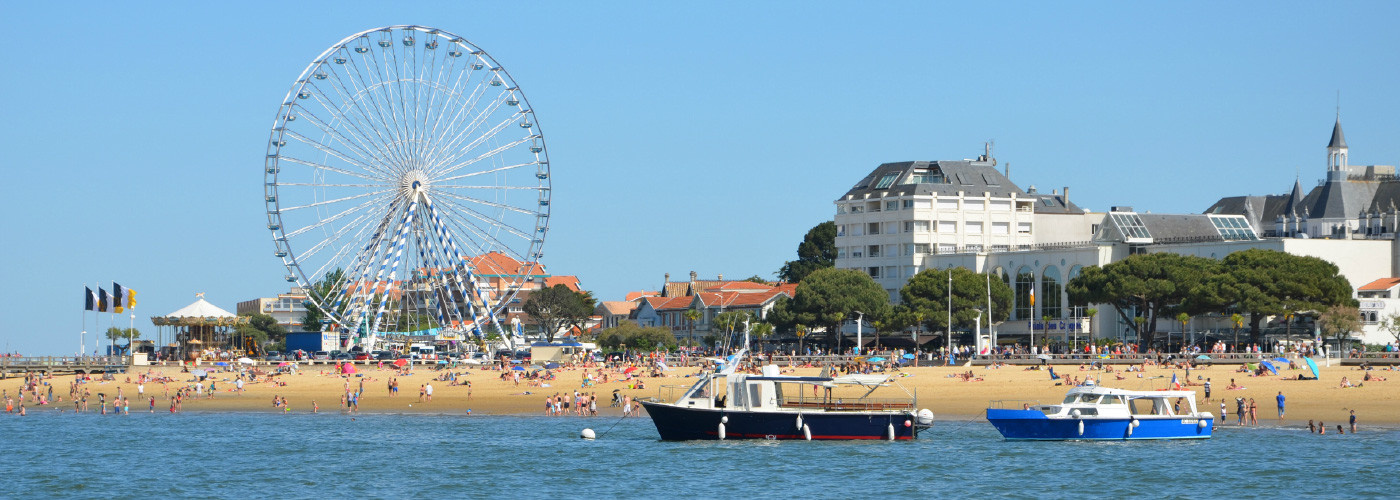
(850, 404)
(1012, 404)
(671, 393)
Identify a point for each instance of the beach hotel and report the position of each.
(905, 217)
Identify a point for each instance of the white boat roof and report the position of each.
(1096, 389)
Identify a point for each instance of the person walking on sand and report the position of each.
(1280, 405)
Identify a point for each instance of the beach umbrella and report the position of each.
(1281, 360)
(400, 362)
(875, 359)
(245, 361)
(1313, 366)
(908, 356)
(552, 366)
(518, 368)
(221, 363)
(282, 364)
(1044, 356)
(1269, 366)
(1202, 357)
(630, 369)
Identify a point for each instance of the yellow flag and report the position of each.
(130, 298)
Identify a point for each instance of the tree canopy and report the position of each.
(925, 297)
(633, 336)
(1264, 283)
(817, 251)
(264, 328)
(321, 291)
(831, 296)
(557, 308)
(1144, 284)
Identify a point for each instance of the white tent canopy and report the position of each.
(200, 309)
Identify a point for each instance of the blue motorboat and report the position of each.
(1093, 413)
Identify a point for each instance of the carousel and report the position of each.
(200, 331)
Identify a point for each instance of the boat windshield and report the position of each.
(1081, 398)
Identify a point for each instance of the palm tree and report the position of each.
(801, 331)
(1237, 320)
(879, 325)
(761, 330)
(692, 315)
(1091, 312)
(839, 319)
(1182, 318)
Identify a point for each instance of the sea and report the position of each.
(333, 455)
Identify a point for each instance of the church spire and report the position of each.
(1338, 140)
(1337, 152)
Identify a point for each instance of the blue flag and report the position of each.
(89, 300)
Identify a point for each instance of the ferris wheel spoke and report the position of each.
(461, 102)
(460, 125)
(360, 142)
(383, 127)
(484, 172)
(455, 150)
(337, 200)
(498, 150)
(480, 241)
(328, 220)
(317, 184)
(322, 166)
(334, 152)
(465, 214)
(357, 95)
(435, 88)
(438, 110)
(479, 201)
(512, 188)
(386, 89)
(360, 226)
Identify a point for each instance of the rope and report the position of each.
(610, 428)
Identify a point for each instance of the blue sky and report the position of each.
(682, 136)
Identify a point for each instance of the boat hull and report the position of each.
(685, 424)
(1034, 425)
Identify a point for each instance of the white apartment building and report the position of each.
(287, 308)
(893, 222)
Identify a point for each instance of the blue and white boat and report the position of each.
(1094, 413)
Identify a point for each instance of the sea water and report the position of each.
(329, 455)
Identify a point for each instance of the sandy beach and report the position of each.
(938, 388)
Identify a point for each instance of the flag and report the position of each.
(1032, 295)
(117, 297)
(1176, 386)
(89, 300)
(102, 300)
(130, 298)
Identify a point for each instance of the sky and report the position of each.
(695, 136)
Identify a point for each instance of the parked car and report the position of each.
(361, 356)
(477, 358)
(387, 356)
(321, 355)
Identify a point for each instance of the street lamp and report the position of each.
(860, 316)
(977, 330)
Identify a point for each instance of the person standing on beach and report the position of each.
(1253, 412)
(1239, 411)
(1280, 405)
(1353, 421)
(1207, 387)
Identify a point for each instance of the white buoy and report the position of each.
(724, 419)
(1130, 430)
(721, 429)
(588, 434)
(799, 421)
(925, 417)
(1201, 424)
(1081, 427)
(890, 431)
(806, 432)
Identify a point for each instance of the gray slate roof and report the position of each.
(1338, 140)
(971, 177)
(1167, 227)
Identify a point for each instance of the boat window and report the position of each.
(1070, 399)
(1088, 398)
(1088, 411)
(1112, 400)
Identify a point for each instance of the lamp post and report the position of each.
(948, 346)
(860, 317)
(977, 330)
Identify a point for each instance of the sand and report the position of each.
(950, 398)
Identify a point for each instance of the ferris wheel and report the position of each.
(407, 186)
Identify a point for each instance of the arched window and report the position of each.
(1051, 293)
(1025, 281)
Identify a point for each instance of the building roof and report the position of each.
(934, 177)
(1340, 199)
(739, 286)
(568, 281)
(499, 264)
(1380, 285)
(1338, 140)
(633, 296)
(617, 307)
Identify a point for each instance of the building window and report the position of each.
(908, 204)
(973, 227)
(874, 271)
(909, 226)
(872, 228)
(840, 209)
(923, 204)
(841, 230)
(971, 205)
(1001, 205)
(1023, 228)
(921, 248)
(946, 248)
(1025, 281)
(855, 209)
(908, 249)
(947, 226)
(947, 203)
(856, 253)
(886, 181)
(874, 206)
(1000, 228)
(873, 251)
(892, 205)
(891, 228)
(922, 226)
(891, 271)
(841, 252)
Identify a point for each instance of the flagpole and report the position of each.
(82, 337)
